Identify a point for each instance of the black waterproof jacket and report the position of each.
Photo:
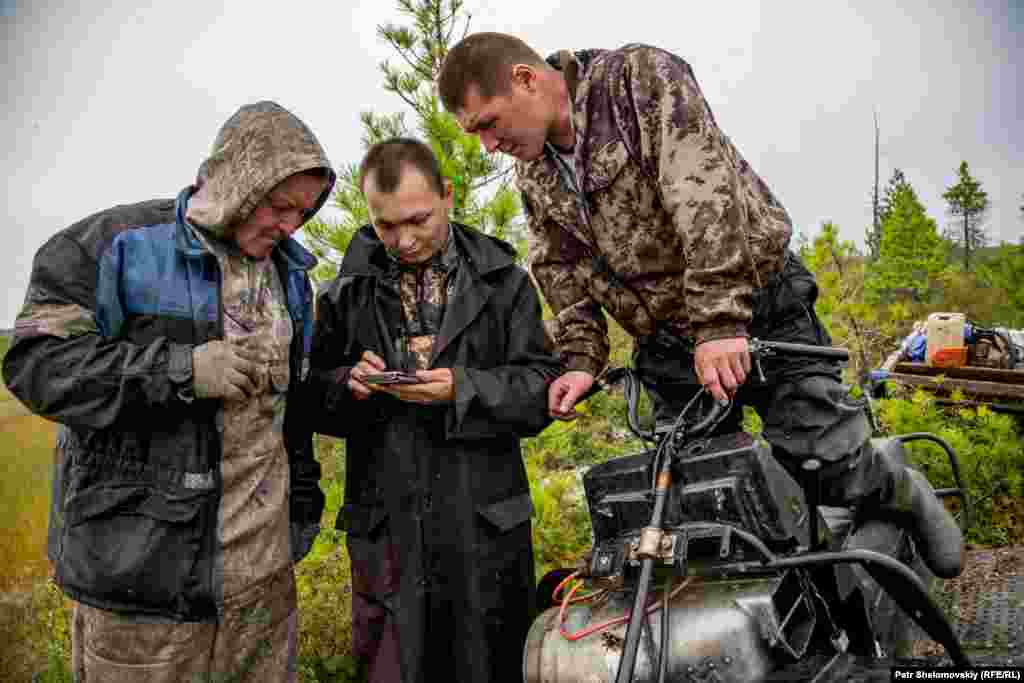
(448, 480)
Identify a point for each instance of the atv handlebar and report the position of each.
(759, 350)
(766, 349)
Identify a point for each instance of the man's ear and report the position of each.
(524, 76)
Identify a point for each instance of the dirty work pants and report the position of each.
(805, 409)
(255, 641)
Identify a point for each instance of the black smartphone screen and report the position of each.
(392, 378)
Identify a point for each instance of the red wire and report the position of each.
(561, 585)
(583, 598)
(651, 608)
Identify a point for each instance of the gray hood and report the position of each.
(257, 148)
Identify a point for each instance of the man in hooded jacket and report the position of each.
(166, 338)
(437, 504)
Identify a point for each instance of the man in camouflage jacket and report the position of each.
(639, 206)
(170, 339)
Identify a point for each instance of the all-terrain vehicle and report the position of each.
(709, 563)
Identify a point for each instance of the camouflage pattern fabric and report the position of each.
(255, 641)
(58, 320)
(254, 537)
(257, 148)
(671, 227)
(423, 291)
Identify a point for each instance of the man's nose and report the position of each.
(289, 221)
(406, 242)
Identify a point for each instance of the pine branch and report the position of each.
(487, 180)
(854, 324)
(455, 6)
(402, 52)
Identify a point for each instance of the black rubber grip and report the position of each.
(789, 349)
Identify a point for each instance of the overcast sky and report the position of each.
(118, 101)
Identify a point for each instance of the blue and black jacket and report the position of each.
(103, 346)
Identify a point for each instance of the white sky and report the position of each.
(120, 104)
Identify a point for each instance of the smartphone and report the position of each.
(392, 377)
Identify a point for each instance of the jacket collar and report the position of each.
(288, 252)
(567, 62)
(573, 65)
(479, 255)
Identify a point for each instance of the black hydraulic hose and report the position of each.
(628, 662)
(632, 391)
(904, 586)
(715, 415)
(636, 618)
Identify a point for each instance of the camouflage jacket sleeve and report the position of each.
(64, 368)
(706, 188)
(579, 329)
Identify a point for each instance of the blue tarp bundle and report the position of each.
(915, 345)
(914, 348)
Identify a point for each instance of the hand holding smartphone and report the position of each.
(392, 377)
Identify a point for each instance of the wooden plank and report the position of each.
(1017, 409)
(965, 372)
(971, 387)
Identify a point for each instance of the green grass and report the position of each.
(26, 448)
(26, 445)
(33, 615)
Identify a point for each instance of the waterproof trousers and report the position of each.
(805, 409)
(256, 641)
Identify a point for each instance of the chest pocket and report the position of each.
(604, 165)
(619, 190)
(551, 200)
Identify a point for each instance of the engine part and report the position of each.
(735, 629)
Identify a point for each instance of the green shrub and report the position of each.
(35, 629)
(988, 447)
(323, 583)
(561, 524)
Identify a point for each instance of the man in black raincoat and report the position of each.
(437, 503)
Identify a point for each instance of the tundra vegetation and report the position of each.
(869, 300)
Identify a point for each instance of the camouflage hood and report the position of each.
(257, 148)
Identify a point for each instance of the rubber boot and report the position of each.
(883, 488)
(938, 537)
